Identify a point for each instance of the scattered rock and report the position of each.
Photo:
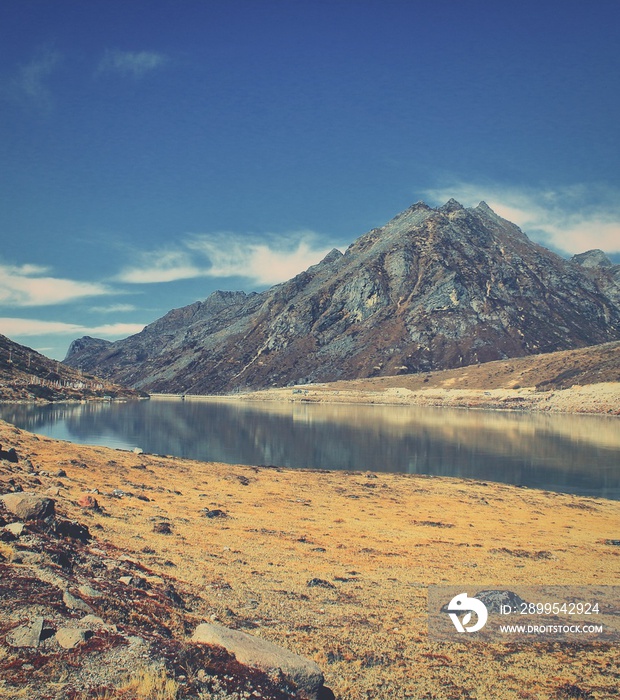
(89, 591)
(319, 582)
(69, 528)
(215, 513)
(89, 502)
(27, 635)
(28, 506)
(494, 600)
(74, 603)
(135, 581)
(70, 637)
(60, 473)
(15, 529)
(261, 654)
(10, 455)
(140, 582)
(615, 543)
(162, 528)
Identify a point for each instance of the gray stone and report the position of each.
(74, 603)
(15, 529)
(28, 506)
(26, 635)
(261, 654)
(89, 591)
(70, 637)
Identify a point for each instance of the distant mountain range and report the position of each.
(432, 289)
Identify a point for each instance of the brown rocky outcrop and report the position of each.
(28, 506)
(262, 654)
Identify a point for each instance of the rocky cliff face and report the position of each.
(432, 289)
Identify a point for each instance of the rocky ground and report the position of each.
(103, 589)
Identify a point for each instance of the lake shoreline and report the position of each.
(594, 399)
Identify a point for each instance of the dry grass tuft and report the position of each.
(149, 683)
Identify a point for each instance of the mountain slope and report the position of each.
(26, 375)
(432, 289)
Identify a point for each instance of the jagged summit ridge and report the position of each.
(593, 258)
(431, 289)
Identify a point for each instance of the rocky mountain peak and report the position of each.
(450, 206)
(80, 344)
(333, 256)
(431, 289)
(592, 258)
(484, 208)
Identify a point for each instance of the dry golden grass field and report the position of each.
(378, 540)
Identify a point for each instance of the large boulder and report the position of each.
(27, 635)
(261, 654)
(28, 506)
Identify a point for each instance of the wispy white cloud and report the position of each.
(272, 259)
(30, 285)
(30, 83)
(132, 64)
(113, 308)
(15, 327)
(160, 266)
(570, 219)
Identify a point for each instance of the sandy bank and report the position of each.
(603, 398)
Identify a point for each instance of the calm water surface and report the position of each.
(571, 454)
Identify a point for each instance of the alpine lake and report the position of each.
(576, 454)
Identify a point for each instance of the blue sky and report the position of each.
(152, 152)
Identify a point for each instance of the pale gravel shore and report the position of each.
(602, 398)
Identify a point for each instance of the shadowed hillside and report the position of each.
(27, 375)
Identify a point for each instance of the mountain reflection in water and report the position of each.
(566, 453)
